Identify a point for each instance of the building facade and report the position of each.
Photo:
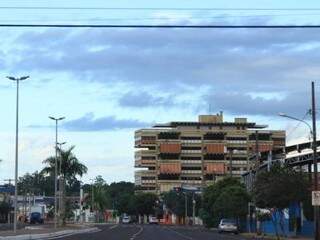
(196, 154)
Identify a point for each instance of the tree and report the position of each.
(211, 194)
(121, 197)
(175, 202)
(70, 169)
(35, 184)
(276, 189)
(101, 196)
(232, 203)
(145, 203)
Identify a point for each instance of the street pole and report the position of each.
(230, 162)
(60, 176)
(55, 171)
(17, 80)
(193, 210)
(186, 207)
(315, 163)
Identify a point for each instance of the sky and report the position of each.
(110, 82)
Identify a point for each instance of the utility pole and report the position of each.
(230, 162)
(193, 210)
(186, 207)
(56, 171)
(257, 149)
(17, 80)
(315, 163)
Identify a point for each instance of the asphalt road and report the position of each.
(152, 232)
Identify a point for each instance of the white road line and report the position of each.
(180, 234)
(72, 234)
(113, 226)
(136, 234)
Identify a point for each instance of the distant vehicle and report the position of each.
(228, 225)
(153, 220)
(37, 214)
(126, 220)
(36, 217)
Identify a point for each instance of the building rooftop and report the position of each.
(212, 120)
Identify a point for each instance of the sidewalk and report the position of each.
(271, 237)
(41, 232)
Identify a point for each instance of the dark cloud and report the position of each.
(144, 99)
(224, 60)
(295, 104)
(254, 59)
(89, 123)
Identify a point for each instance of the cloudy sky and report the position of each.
(109, 82)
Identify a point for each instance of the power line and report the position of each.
(175, 17)
(155, 8)
(155, 26)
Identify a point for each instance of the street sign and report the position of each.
(315, 198)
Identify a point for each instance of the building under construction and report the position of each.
(195, 154)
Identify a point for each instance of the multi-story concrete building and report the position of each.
(196, 154)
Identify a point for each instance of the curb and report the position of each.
(51, 235)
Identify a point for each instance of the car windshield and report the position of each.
(228, 221)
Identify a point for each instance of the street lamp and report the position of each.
(315, 160)
(296, 119)
(17, 80)
(60, 176)
(56, 169)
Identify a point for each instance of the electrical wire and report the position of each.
(157, 26)
(155, 8)
(298, 124)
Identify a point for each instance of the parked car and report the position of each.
(126, 220)
(36, 217)
(153, 220)
(228, 225)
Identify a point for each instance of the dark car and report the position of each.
(228, 225)
(36, 217)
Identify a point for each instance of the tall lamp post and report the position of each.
(60, 175)
(17, 80)
(315, 160)
(56, 170)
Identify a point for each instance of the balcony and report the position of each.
(170, 168)
(145, 163)
(215, 148)
(170, 148)
(145, 141)
(215, 168)
(144, 154)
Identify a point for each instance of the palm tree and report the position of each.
(71, 167)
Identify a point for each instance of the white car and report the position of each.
(228, 225)
(126, 219)
(153, 220)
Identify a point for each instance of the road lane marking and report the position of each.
(114, 226)
(136, 234)
(72, 234)
(180, 234)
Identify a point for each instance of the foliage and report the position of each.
(36, 183)
(175, 202)
(277, 188)
(70, 168)
(5, 208)
(217, 197)
(145, 203)
(70, 165)
(231, 203)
